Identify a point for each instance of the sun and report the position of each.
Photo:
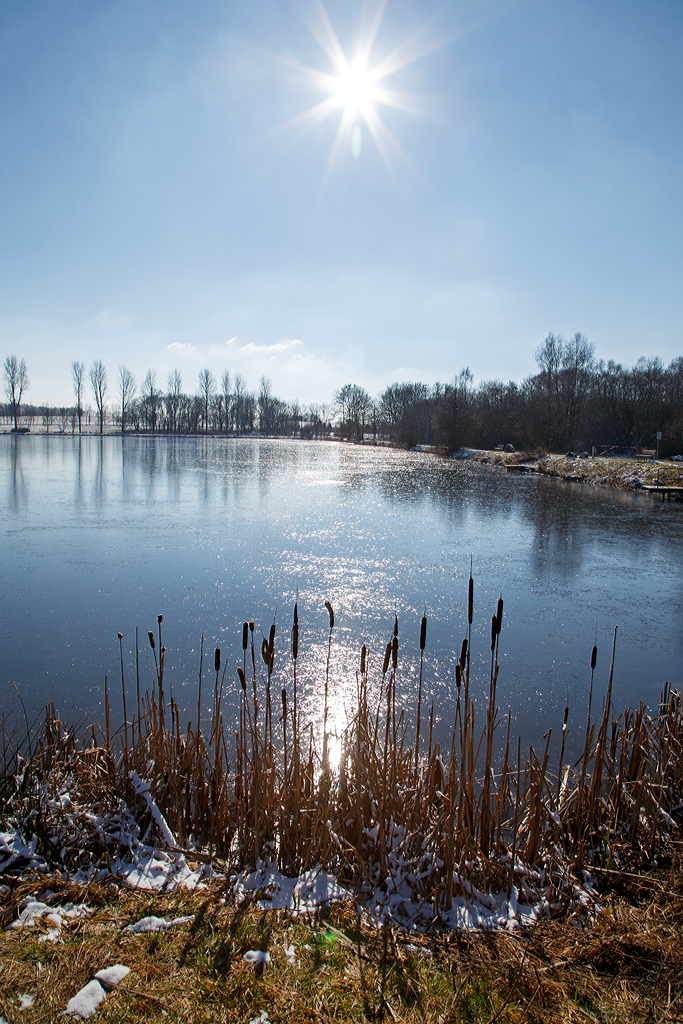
(355, 88)
(356, 91)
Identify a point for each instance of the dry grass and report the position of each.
(621, 473)
(394, 812)
(627, 966)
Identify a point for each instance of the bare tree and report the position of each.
(174, 384)
(151, 399)
(207, 389)
(48, 416)
(77, 375)
(563, 385)
(98, 382)
(456, 414)
(265, 405)
(126, 382)
(16, 383)
(225, 388)
(238, 402)
(353, 403)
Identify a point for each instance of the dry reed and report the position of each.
(388, 814)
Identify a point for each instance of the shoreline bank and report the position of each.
(609, 472)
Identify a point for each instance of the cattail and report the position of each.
(387, 656)
(150, 634)
(245, 635)
(463, 654)
(160, 619)
(243, 678)
(423, 632)
(594, 656)
(363, 659)
(284, 704)
(394, 653)
(271, 640)
(296, 613)
(120, 636)
(494, 634)
(265, 652)
(217, 660)
(295, 641)
(470, 600)
(458, 675)
(499, 616)
(331, 613)
(395, 625)
(251, 625)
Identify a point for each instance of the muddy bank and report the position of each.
(625, 474)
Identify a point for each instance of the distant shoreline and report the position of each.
(626, 474)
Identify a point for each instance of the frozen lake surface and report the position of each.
(102, 534)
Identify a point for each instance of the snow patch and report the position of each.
(156, 924)
(274, 891)
(87, 999)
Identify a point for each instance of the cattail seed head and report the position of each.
(217, 659)
(296, 613)
(494, 634)
(499, 616)
(423, 632)
(458, 675)
(295, 641)
(594, 657)
(120, 636)
(394, 653)
(463, 655)
(271, 640)
(330, 612)
(387, 656)
(243, 679)
(160, 619)
(395, 625)
(284, 702)
(245, 635)
(150, 634)
(251, 625)
(470, 600)
(363, 659)
(265, 652)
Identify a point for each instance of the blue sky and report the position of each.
(161, 206)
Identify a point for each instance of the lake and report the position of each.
(99, 535)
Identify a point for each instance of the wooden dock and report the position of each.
(667, 491)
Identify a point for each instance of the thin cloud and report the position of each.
(109, 320)
(178, 346)
(280, 346)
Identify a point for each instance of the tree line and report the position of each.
(573, 401)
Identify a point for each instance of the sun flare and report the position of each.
(356, 91)
(356, 87)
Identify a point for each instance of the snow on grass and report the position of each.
(274, 891)
(87, 999)
(156, 924)
(257, 957)
(34, 913)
